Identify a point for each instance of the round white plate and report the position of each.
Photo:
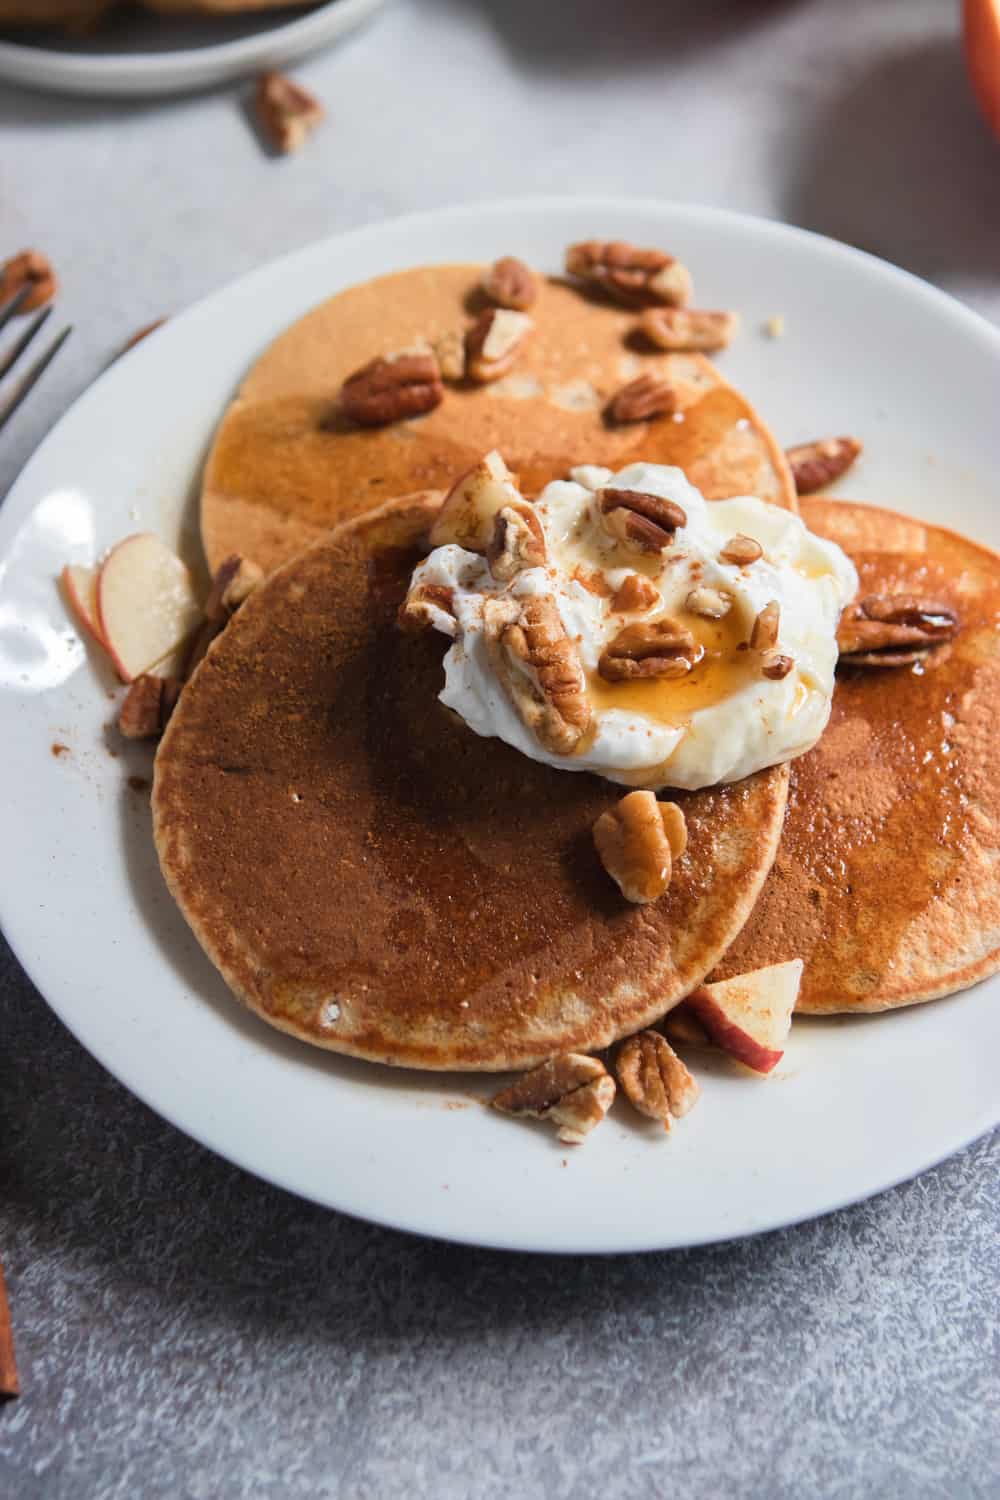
(147, 54)
(857, 1104)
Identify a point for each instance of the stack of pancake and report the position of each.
(374, 878)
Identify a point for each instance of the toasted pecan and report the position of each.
(650, 648)
(637, 277)
(819, 463)
(539, 667)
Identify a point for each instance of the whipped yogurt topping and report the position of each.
(724, 719)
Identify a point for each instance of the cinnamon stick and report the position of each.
(9, 1384)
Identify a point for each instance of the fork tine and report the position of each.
(33, 376)
(14, 354)
(15, 304)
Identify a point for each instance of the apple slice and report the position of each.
(80, 585)
(146, 603)
(750, 1015)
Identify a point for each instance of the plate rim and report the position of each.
(21, 502)
(183, 69)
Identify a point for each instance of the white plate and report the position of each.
(143, 55)
(858, 1103)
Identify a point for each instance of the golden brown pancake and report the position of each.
(374, 878)
(886, 880)
(286, 465)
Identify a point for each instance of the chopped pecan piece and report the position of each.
(450, 353)
(741, 551)
(574, 1090)
(428, 606)
(147, 706)
(684, 328)
(644, 523)
(654, 1079)
(493, 343)
(638, 841)
(235, 580)
(635, 594)
(650, 648)
(509, 283)
(583, 1110)
(518, 542)
(540, 669)
(468, 513)
(638, 278)
(642, 399)
(814, 465)
(287, 112)
(893, 630)
(390, 388)
(30, 269)
(682, 1025)
(710, 604)
(775, 665)
(764, 635)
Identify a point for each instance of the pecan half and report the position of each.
(493, 343)
(509, 283)
(287, 112)
(644, 398)
(653, 1078)
(635, 594)
(741, 551)
(638, 841)
(539, 667)
(710, 604)
(469, 510)
(650, 648)
(518, 542)
(893, 630)
(147, 706)
(684, 328)
(428, 606)
(391, 387)
(643, 522)
(30, 269)
(764, 634)
(574, 1090)
(814, 465)
(636, 277)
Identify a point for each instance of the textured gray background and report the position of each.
(185, 1331)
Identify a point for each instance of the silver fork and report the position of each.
(9, 360)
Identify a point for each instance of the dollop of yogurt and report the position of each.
(725, 719)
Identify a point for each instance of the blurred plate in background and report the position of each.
(144, 54)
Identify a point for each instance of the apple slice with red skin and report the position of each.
(146, 604)
(80, 585)
(750, 1015)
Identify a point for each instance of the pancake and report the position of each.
(886, 878)
(374, 878)
(285, 465)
